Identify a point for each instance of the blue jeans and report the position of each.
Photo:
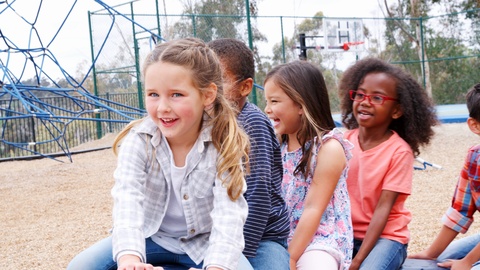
(99, 257)
(271, 254)
(386, 255)
(460, 248)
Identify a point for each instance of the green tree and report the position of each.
(450, 44)
(213, 19)
(408, 30)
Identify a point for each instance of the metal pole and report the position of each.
(250, 44)
(158, 17)
(303, 47)
(423, 53)
(194, 26)
(137, 63)
(94, 76)
(283, 40)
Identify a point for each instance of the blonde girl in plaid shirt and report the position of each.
(180, 178)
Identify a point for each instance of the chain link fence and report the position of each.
(450, 44)
(448, 47)
(29, 131)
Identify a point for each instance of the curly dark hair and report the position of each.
(473, 102)
(236, 56)
(415, 125)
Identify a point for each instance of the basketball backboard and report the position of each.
(343, 35)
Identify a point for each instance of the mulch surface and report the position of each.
(52, 210)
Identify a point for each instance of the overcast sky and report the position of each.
(73, 45)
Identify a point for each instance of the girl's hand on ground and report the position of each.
(138, 266)
(456, 264)
(132, 262)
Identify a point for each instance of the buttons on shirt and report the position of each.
(185, 196)
(192, 231)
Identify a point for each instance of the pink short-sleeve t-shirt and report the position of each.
(388, 166)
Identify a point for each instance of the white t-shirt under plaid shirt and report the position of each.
(174, 223)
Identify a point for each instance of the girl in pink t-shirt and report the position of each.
(389, 116)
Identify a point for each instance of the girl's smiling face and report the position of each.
(284, 113)
(173, 102)
(372, 115)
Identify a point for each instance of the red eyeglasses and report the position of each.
(375, 99)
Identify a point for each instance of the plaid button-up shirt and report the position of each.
(466, 199)
(141, 193)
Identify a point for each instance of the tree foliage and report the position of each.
(213, 19)
(451, 38)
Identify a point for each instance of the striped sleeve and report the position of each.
(267, 217)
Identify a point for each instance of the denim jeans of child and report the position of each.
(99, 257)
(271, 255)
(460, 248)
(386, 255)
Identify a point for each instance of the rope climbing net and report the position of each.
(25, 96)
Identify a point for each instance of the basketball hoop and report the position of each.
(346, 45)
(338, 35)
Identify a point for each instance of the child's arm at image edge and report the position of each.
(443, 239)
(460, 212)
(465, 263)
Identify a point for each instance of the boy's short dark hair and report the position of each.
(236, 55)
(473, 102)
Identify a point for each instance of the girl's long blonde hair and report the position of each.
(231, 141)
